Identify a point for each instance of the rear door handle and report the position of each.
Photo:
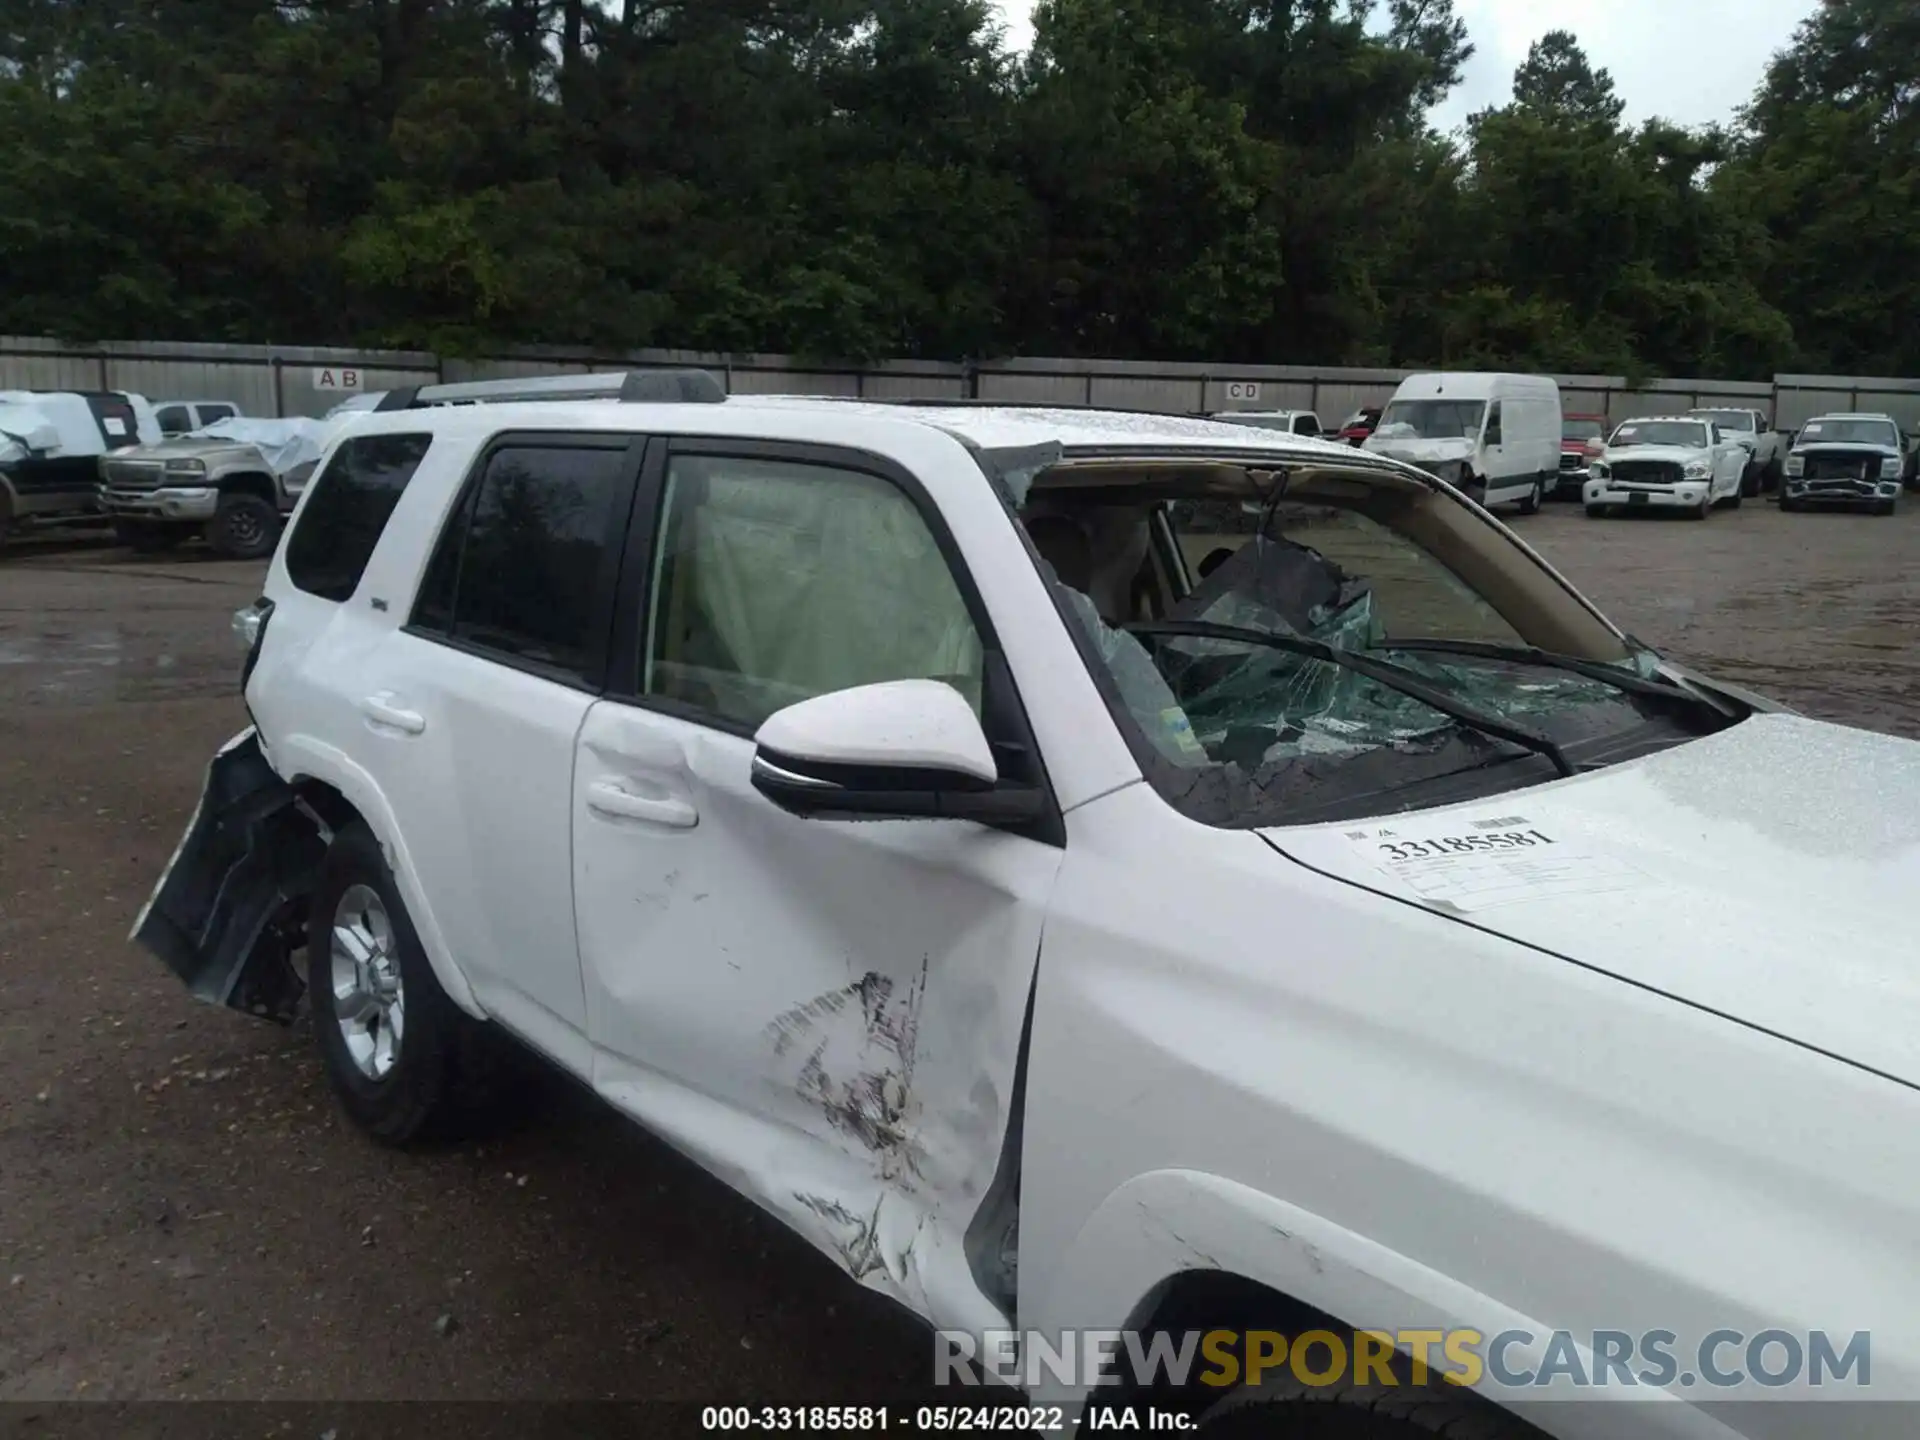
(381, 710)
(608, 799)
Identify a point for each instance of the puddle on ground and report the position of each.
(108, 664)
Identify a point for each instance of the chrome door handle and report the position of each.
(610, 800)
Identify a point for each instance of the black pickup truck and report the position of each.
(51, 442)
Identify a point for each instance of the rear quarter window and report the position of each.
(522, 565)
(352, 500)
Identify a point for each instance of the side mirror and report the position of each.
(899, 750)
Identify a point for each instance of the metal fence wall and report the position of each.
(306, 380)
(260, 379)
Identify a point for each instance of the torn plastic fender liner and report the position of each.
(229, 910)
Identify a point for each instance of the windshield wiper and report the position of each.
(1598, 670)
(1394, 677)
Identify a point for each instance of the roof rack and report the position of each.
(953, 402)
(659, 387)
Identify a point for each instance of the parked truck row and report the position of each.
(182, 469)
(1507, 440)
(159, 474)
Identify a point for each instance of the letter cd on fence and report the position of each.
(336, 377)
(1243, 389)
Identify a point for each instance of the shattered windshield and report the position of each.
(1687, 434)
(1851, 432)
(1432, 419)
(1239, 731)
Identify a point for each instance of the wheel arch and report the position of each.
(1166, 1245)
(248, 482)
(336, 789)
(1205, 1299)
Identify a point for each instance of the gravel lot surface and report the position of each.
(184, 1215)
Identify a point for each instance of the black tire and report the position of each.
(1771, 477)
(1733, 500)
(1531, 505)
(245, 528)
(1885, 507)
(447, 1063)
(146, 538)
(1752, 479)
(1599, 512)
(1290, 1411)
(6, 517)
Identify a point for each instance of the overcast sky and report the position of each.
(1693, 61)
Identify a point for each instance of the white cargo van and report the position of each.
(1495, 436)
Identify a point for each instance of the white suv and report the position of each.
(1284, 905)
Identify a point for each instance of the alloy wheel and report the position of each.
(369, 997)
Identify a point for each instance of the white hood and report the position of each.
(1677, 454)
(1416, 451)
(1770, 873)
(1847, 447)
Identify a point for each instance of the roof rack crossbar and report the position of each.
(660, 387)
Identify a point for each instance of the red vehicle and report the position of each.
(1355, 429)
(1583, 439)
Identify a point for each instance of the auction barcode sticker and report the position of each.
(1480, 864)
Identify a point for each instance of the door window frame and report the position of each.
(615, 551)
(1004, 717)
(626, 665)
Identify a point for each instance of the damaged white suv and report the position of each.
(1091, 872)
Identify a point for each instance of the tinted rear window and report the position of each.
(520, 565)
(116, 418)
(352, 501)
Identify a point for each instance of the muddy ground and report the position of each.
(183, 1214)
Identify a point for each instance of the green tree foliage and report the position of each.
(1556, 81)
(1241, 180)
(1831, 168)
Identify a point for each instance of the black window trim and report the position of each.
(1000, 690)
(606, 584)
(314, 482)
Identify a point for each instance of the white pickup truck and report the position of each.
(1766, 447)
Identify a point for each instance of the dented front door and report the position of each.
(828, 1015)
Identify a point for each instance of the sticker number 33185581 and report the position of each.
(1436, 846)
(1481, 864)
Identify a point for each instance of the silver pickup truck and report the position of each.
(233, 482)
